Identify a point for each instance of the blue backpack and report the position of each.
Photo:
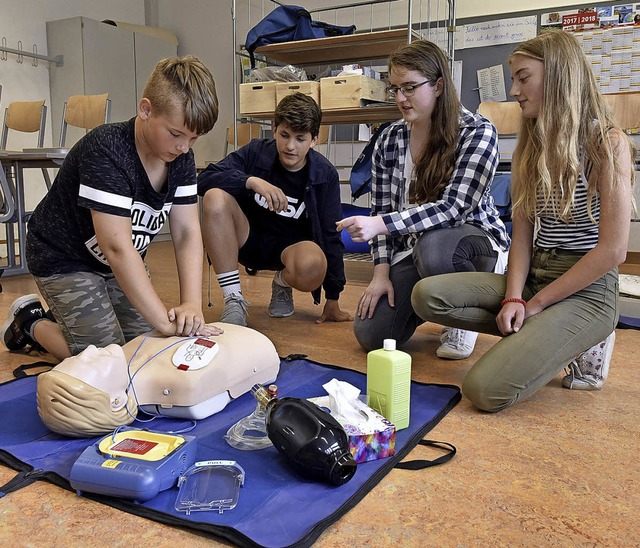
(360, 177)
(287, 24)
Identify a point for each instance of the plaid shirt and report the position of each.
(466, 198)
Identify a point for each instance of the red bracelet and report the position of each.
(514, 300)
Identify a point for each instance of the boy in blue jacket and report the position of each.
(273, 205)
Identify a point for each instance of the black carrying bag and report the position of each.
(288, 24)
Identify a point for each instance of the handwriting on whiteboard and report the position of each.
(501, 31)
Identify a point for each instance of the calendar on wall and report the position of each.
(610, 37)
(614, 54)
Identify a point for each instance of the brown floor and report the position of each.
(560, 469)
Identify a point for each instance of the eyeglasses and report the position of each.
(407, 91)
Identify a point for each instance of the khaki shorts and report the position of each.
(91, 308)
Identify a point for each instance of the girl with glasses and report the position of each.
(431, 208)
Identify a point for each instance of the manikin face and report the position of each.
(527, 76)
(102, 368)
(420, 106)
(293, 146)
(163, 135)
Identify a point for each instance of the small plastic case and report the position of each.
(210, 485)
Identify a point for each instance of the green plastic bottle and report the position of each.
(389, 383)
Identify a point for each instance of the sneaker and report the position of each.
(23, 311)
(457, 344)
(235, 310)
(281, 305)
(590, 369)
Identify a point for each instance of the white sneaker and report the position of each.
(590, 369)
(457, 344)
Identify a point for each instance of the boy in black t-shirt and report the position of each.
(273, 205)
(115, 190)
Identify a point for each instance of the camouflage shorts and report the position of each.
(91, 308)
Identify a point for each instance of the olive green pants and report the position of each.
(521, 363)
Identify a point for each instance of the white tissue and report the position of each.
(341, 396)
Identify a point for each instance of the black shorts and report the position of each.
(263, 251)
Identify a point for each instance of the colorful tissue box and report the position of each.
(370, 439)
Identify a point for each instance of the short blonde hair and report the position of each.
(184, 83)
(71, 407)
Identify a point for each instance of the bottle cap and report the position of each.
(389, 344)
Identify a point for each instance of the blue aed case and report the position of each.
(133, 464)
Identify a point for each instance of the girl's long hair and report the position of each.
(436, 162)
(571, 126)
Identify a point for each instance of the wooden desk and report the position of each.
(14, 163)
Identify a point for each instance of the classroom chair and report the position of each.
(505, 116)
(625, 108)
(7, 202)
(26, 117)
(84, 111)
(246, 132)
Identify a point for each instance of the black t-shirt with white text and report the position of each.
(102, 172)
(291, 224)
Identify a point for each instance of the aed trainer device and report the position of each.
(132, 463)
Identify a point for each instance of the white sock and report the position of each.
(229, 283)
(280, 280)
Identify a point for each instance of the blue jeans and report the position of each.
(523, 362)
(464, 248)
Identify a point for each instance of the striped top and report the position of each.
(580, 233)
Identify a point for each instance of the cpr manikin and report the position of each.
(86, 395)
(187, 377)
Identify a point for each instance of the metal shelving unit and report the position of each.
(376, 44)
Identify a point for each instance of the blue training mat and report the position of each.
(276, 508)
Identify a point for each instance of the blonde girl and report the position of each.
(557, 306)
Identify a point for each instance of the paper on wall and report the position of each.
(491, 84)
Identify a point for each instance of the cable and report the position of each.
(131, 377)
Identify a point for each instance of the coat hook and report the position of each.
(20, 58)
(3, 54)
(34, 63)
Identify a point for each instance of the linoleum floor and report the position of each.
(559, 469)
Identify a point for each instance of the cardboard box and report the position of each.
(347, 91)
(257, 97)
(308, 88)
(372, 438)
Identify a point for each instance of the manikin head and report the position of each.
(86, 395)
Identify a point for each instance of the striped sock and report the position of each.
(229, 283)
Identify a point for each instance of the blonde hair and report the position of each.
(185, 84)
(571, 127)
(71, 407)
(436, 162)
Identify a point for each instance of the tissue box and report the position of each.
(370, 439)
